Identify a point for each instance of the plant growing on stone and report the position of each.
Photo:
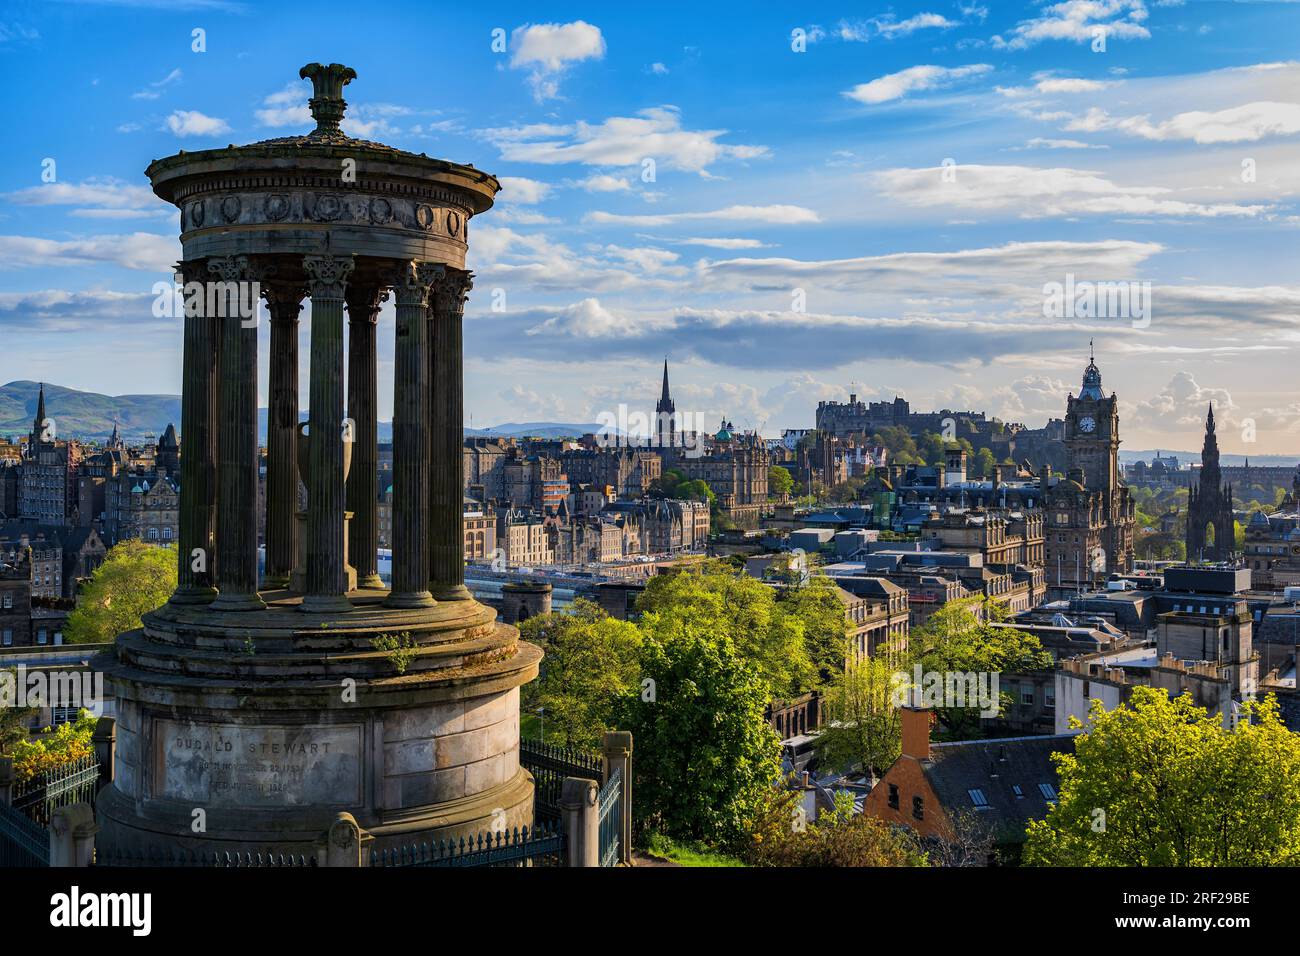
(400, 648)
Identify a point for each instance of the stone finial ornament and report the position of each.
(327, 103)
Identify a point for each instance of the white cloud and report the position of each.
(658, 69)
(1248, 123)
(1079, 21)
(780, 214)
(154, 90)
(518, 189)
(1034, 193)
(194, 123)
(548, 49)
(1039, 142)
(604, 183)
(103, 198)
(138, 250)
(922, 21)
(894, 86)
(654, 133)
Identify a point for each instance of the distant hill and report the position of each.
(535, 430)
(1188, 458)
(89, 416)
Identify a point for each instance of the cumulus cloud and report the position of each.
(193, 123)
(519, 189)
(895, 86)
(653, 134)
(1079, 21)
(547, 50)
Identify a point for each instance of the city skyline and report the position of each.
(914, 180)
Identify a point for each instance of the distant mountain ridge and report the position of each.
(89, 416)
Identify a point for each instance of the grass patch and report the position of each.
(687, 854)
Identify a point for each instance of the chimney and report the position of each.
(916, 732)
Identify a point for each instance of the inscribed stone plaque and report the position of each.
(233, 765)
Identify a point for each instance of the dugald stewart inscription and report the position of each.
(233, 765)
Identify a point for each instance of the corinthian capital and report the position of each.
(230, 268)
(451, 290)
(327, 276)
(414, 280)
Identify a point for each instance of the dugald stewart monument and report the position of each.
(252, 712)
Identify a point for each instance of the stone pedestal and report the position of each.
(272, 725)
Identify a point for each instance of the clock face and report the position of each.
(1087, 423)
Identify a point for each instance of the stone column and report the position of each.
(447, 487)
(363, 480)
(327, 277)
(196, 563)
(284, 302)
(411, 428)
(236, 439)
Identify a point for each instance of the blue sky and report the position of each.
(873, 204)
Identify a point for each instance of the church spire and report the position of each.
(1209, 420)
(664, 398)
(38, 425)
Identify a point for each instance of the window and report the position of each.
(9, 600)
(893, 795)
(8, 638)
(918, 808)
(978, 799)
(42, 636)
(1048, 792)
(1020, 794)
(1027, 696)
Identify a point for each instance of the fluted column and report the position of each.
(284, 302)
(236, 442)
(363, 480)
(196, 563)
(447, 484)
(327, 277)
(411, 428)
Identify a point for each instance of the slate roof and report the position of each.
(996, 768)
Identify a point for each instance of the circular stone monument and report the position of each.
(252, 711)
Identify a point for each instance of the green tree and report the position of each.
(591, 659)
(984, 464)
(781, 836)
(705, 754)
(814, 601)
(134, 579)
(779, 481)
(1160, 782)
(863, 727)
(729, 603)
(960, 636)
(14, 721)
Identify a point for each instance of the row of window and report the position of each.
(42, 637)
